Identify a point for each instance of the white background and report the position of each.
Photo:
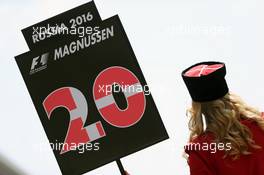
(167, 36)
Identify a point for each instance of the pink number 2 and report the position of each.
(74, 101)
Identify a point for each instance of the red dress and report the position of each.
(207, 163)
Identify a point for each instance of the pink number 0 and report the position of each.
(74, 101)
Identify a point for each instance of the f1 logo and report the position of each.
(39, 63)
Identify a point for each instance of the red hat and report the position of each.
(206, 81)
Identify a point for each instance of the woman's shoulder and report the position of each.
(251, 122)
(198, 143)
(255, 128)
(204, 137)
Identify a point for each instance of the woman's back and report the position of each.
(209, 162)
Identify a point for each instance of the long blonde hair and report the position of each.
(222, 118)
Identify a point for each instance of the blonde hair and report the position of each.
(222, 117)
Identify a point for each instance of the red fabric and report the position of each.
(202, 70)
(206, 163)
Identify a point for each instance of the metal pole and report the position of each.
(120, 166)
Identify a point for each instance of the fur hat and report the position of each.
(206, 81)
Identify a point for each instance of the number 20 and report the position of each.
(74, 101)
